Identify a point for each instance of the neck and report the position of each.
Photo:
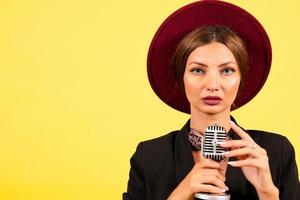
(200, 121)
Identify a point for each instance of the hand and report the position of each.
(252, 159)
(206, 176)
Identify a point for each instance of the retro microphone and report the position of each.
(210, 148)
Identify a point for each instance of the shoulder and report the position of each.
(274, 143)
(154, 153)
(268, 138)
(159, 144)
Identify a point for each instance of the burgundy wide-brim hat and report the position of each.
(195, 15)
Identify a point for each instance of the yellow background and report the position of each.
(75, 99)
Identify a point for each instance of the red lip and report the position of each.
(211, 100)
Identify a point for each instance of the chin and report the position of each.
(211, 110)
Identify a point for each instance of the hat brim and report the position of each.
(195, 15)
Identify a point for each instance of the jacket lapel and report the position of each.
(184, 160)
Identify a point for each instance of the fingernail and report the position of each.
(231, 163)
(227, 189)
(223, 190)
(226, 153)
(232, 122)
(220, 143)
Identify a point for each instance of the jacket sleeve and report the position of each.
(136, 183)
(289, 183)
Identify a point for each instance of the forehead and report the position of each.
(214, 52)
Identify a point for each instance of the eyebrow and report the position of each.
(223, 64)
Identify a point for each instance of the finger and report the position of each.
(210, 189)
(212, 172)
(246, 151)
(240, 132)
(235, 144)
(213, 181)
(223, 166)
(249, 163)
(209, 163)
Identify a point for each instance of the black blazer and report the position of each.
(160, 164)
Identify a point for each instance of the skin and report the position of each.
(211, 70)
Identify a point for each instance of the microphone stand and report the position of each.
(207, 196)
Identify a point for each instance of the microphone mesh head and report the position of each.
(210, 147)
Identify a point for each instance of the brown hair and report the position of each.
(205, 35)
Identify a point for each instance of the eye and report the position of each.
(197, 71)
(228, 71)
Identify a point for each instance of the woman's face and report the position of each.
(211, 79)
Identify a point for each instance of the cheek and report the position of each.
(191, 85)
(233, 85)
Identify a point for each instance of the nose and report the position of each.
(212, 83)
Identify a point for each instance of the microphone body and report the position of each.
(210, 148)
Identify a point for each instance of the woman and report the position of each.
(208, 78)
